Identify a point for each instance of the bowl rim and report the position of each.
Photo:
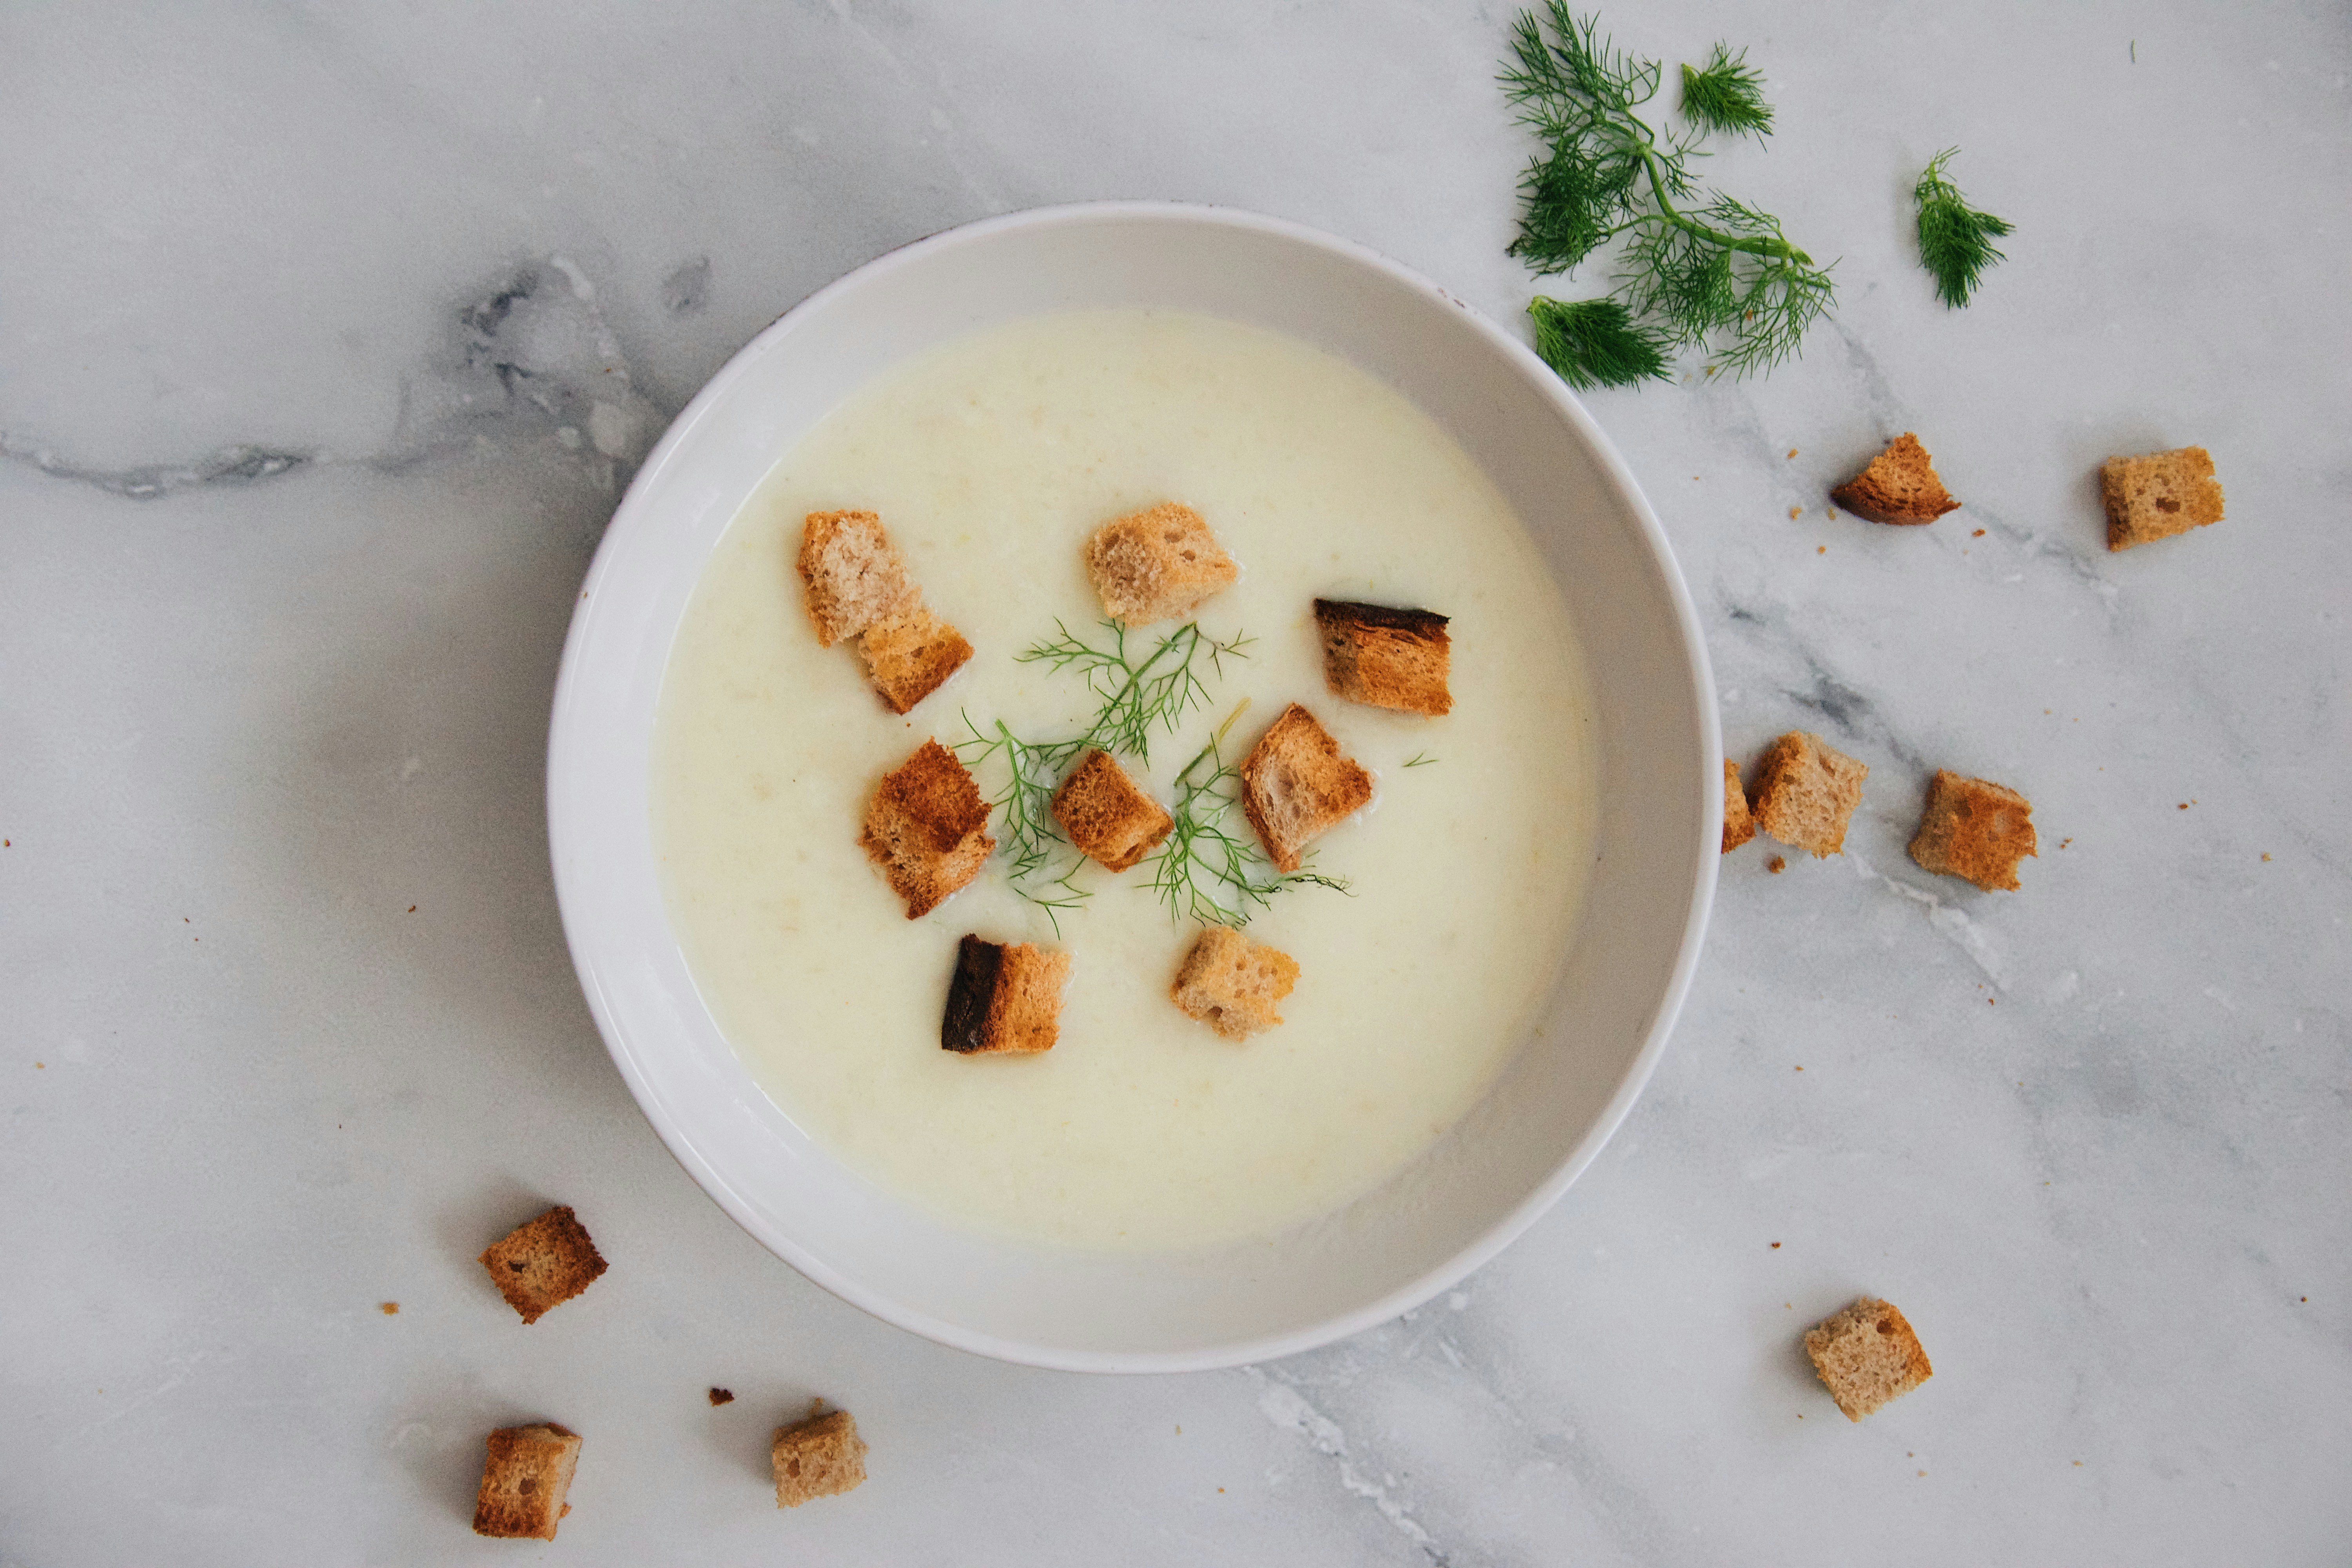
(1477, 1249)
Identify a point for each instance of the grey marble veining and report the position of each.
(328, 339)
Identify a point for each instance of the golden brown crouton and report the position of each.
(853, 573)
(1004, 997)
(1899, 486)
(1806, 793)
(927, 827)
(1106, 816)
(1868, 1355)
(2159, 495)
(910, 653)
(1974, 830)
(541, 1263)
(524, 1477)
(1386, 657)
(1738, 826)
(1158, 564)
(821, 1456)
(1296, 784)
(1233, 983)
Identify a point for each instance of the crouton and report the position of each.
(853, 573)
(1106, 816)
(1974, 830)
(544, 1263)
(1004, 997)
(821, 1456)
(1868, 1355)
(910, 653)
(2159, 495)
(1806, 793)
(1385, 657)
(928, 828)
(1158, 564)
(1899, 486)
(1231, 984)
(1296, 784)
(524, 1477)
(1738, 826)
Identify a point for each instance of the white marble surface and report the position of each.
(283, 569)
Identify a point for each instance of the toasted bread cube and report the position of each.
(1806, 793)
(1385, 657)
(1296, 784)
(1107, 814)
(853, 573)
(910, 654)
(1899, 486)
(1975, 830)
(1233, 983)
(1739, 825)
(1158, 564)
(544, 1263)
(927, 827)
(1004, 997)
(1868, 1355)
(2159, 495)
(524, 1477)
(821, 1456)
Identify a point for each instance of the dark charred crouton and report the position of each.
(1004, 997)
(1386, 657)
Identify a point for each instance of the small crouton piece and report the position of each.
(1974, 830)
(1297, 785)
(1106, 816)
(2159, 495)
(1233, 983)
(1738, 826)
(1386, 657)
(1868, 1355)
(853, 573)
(821, 1456)
(928, 828)
(524, 1477)
(1806, 793)
(1158, 564)
(910, 654)
(544, 1263)
(1005, 997)
(1899, 486)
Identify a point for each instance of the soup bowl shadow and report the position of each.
(1552, 1108)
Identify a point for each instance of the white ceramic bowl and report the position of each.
(1556, 1104)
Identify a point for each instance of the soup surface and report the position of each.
(990, 460)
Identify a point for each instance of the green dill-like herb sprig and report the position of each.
(1727, 95)
(1696, 266)
(1955, 241)
(1203, 868)
(1031, 840)
(1136, 697)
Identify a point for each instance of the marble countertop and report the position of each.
(305, 315)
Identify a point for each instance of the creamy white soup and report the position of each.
(990, 460)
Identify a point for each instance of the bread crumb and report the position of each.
(1832, 511)
(524, 1476)
(821, 1456)
(1821, 550)
(541, 1265)
(1978, 535)
(2069, 841)
(1231, 984)
(1866, 1356)
(1899, 486)
(389, 1309)
(1795, 513)
(723, 1396)
(2159, 495)
(1777, 864)
(1806, 791)
(1776, 1247)
(1738, 825)
(1975, 830)
(1792, 451)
